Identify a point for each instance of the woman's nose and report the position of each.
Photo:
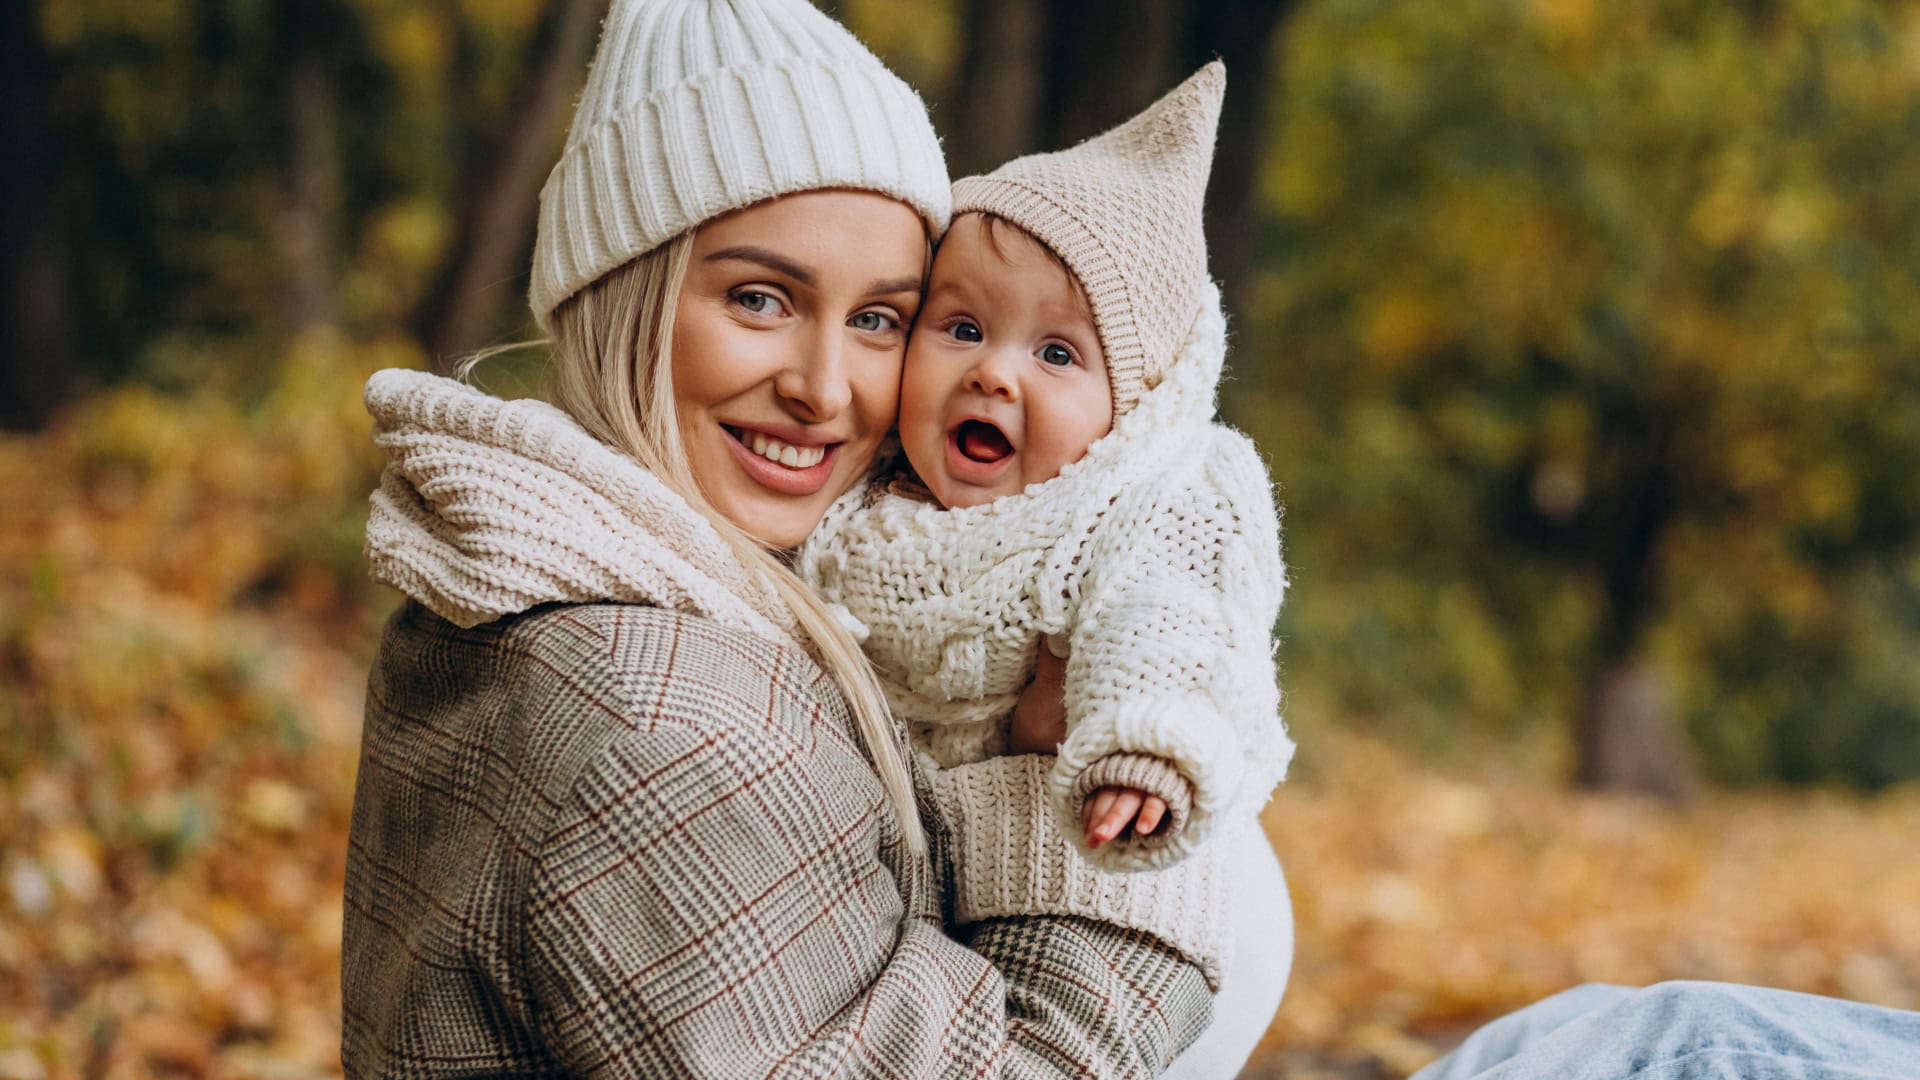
(815, 384)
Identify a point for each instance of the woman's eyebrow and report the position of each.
(896, 285)
(772, 260)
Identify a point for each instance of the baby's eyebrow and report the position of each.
(772, 260)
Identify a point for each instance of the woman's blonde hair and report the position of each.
(612, 371)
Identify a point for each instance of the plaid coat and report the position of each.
(617, 840)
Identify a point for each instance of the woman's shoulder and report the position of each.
(563, 681)
(661, 666)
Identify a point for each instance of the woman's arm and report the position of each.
(722, 894)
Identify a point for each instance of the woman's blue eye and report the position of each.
(1056, 355)
(873, 322)
(964, 331)
(759, 303)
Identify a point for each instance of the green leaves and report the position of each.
(1544, 262)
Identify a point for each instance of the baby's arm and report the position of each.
(1171, 673)
(1039, 725)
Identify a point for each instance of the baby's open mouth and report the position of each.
(981, 441)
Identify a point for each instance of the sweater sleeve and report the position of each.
(1171, 653)
(696, 911)
(1011, 860)
(1140, 772)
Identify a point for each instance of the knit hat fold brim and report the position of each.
(1123, 210)
(645, 162)
(1046, 218)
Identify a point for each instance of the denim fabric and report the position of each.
(1689, 1030)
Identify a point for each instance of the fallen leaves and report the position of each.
(181, 715)
(1427, 903)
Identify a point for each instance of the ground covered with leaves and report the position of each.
(183, 639)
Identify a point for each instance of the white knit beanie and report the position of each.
(1123, 211)
(697, 107)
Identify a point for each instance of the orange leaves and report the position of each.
(180, 718)
(1427, 904)
(178, 726)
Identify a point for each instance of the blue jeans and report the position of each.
(1689, 1031)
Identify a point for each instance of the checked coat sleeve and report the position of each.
(682, 865)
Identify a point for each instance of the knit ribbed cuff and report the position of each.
(1010, 860)
(1201, 746)
(1099, 275)
(1142, 772)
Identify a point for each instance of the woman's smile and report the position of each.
(800, 463)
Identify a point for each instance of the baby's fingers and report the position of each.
(1152, 813)
(1096, 809)
(1109, 821)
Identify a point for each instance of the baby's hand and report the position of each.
(1111, 810)
(1040, 717)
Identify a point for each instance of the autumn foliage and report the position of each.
(1581, 338)
(184, 628)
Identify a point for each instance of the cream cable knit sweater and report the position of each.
(1156, 558)
(490, 507)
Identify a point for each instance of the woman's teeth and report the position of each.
(793, 457)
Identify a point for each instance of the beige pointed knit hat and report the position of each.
(697, 107)
(1123, 211)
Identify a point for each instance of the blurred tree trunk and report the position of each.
(308, 227)
(1045, 74)
(1627, 735)
(37, 362)
(995, 102)
(493, 234)
(1108, 60)
(1243, 34)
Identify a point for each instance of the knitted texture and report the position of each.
(490, 507)
(693, 108)
(642, 838)
(1142, 772)
(1123, 211)
(1006, 865)
(1157, 558)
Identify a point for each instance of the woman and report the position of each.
(629, 802)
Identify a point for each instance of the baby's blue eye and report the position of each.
(964, 331)
(873, 322)
(1056, 355)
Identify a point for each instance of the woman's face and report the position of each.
(787, 344)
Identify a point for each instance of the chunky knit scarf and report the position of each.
(1155, 559)
(489, 507)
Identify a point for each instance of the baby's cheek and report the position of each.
(922, 400)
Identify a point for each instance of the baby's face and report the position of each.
(1005, 383)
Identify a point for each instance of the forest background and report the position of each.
(1581, 337)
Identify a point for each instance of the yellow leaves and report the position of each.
(181, 720)
(1429, 902)
(516, 17)
(417, 41)
(164, 937)
(66, 23)
(1402, 327)
(916, 39)
(72, 856)
(1571, 21)
(274, 805)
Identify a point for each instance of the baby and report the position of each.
(1066, 493)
